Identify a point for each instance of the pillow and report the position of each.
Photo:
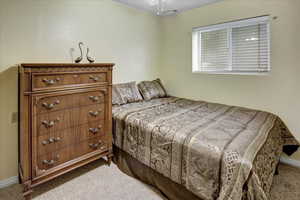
(125, 93)
(152, 89)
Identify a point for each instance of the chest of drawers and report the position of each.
(65, 119)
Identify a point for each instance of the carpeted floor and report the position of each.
(98, 181)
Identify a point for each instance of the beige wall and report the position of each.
(44, 31)
(278, 92)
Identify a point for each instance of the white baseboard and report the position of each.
(9, 181)
(289, 161)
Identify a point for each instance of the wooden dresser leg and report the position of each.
(109, 159)
(27, 191)
(27, 196)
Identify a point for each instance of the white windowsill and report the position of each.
(234, 73)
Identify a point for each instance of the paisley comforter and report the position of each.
(215, 151)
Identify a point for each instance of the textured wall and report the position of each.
(44, 31)
(277, 92)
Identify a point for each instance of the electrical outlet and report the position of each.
(14, 117)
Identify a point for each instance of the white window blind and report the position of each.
(214, 46)
(235, 47)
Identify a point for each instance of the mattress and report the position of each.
(215, 151)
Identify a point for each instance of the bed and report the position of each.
(198, 150)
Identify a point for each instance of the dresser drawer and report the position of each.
(48, 81)
(98, 144)
(55, 158)
(54, 141)
(91, 130)
(53, 103)
(63, 101)
(90, 98)
(93, 78)
(89, 114)
(51, 122)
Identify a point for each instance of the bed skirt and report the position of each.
(138, 170)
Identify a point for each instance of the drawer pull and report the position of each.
(96, 145)
(51, 162)
(94, 98)
(50, 106)
(102, 148)
(95, 113)
(51, 140)
(51, 81)
(95, 130)
(94, 78)
(49, 124)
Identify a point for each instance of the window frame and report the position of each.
(196, 45)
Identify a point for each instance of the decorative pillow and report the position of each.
(125, 93)
(152, 89)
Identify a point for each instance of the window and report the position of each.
(241, 47)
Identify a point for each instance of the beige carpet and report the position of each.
(98, 181)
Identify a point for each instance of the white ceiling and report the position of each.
(180, 5)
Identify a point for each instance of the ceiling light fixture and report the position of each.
(161, 8)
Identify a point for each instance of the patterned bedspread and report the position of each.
(215, 151)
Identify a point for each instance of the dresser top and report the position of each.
(47, 65)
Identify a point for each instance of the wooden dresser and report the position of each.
(65, 119)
